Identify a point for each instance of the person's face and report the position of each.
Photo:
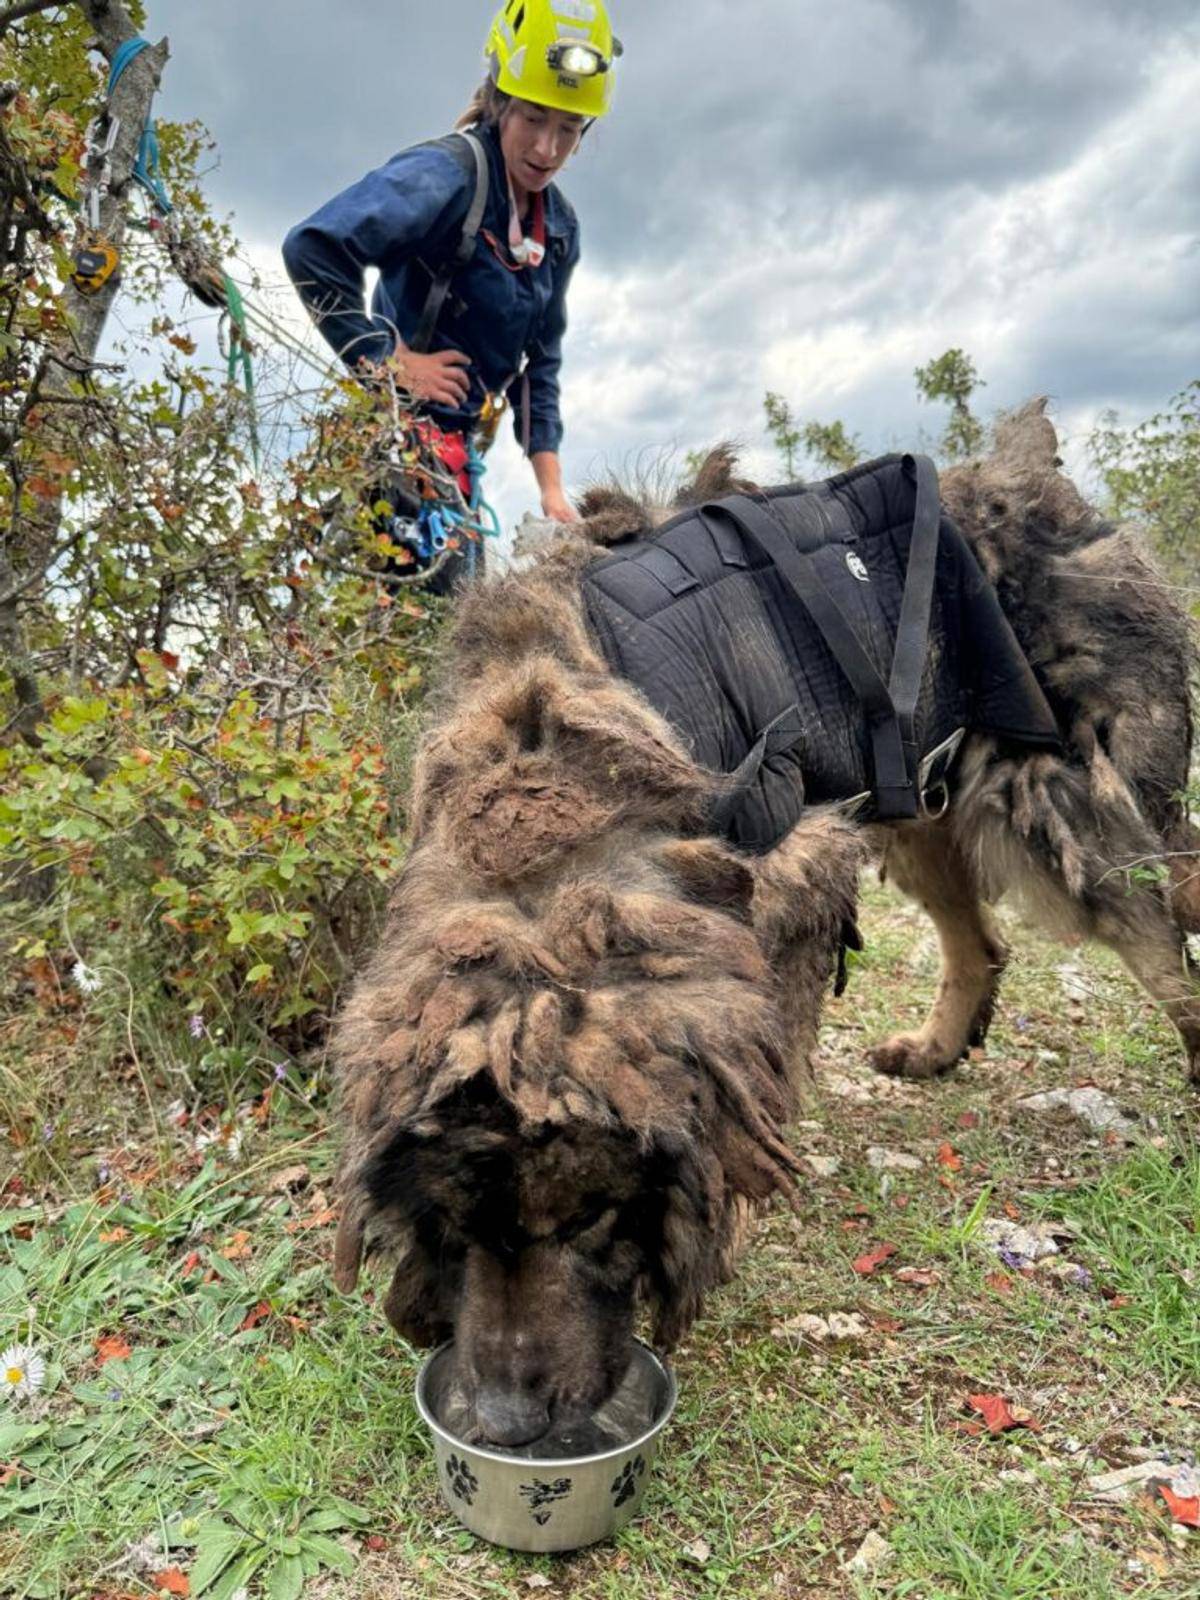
(536, 142)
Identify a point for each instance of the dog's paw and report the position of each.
(908, 1056)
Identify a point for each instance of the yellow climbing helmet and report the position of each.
(557, 53)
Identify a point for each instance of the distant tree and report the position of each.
(831, 446)
(952, 377)
(1151, 474)
(781, 425)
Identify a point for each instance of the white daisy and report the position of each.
(86, 979)
(22, 1371)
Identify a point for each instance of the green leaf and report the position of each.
(329, 1553)
(264, 969)
(216, 1545)
(286, 1579)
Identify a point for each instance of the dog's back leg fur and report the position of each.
(1078, 836)
(924, 861)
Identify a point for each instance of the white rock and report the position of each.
(1033, 1242)
(699, 1551)
(822, 1166)
(880, 1159)
(872, 1553)
(846, 1325)
(1090, 1105)
(1074, 982)
(1125, 1482)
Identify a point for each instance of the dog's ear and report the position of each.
(611, 516)
(348, 1251)
(716, 476)
(706, 871)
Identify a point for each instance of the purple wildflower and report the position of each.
(47, 1131)
(1012, 1259)
(196, 1026)
(1082, 1277)
(280, 1072)
(114, 1394)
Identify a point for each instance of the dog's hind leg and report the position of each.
(1136, 924)
(923, 860)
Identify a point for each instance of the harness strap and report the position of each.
(440, 286)
(890, 707)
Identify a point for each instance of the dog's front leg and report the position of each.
(922, 859)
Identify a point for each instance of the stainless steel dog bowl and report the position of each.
(546, 1504)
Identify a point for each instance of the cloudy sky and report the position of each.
(802, 196)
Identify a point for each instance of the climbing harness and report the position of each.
(437, 480)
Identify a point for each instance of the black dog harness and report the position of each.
(823, 642)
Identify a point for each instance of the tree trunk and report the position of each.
(27, 546)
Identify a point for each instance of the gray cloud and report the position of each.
(801, 195)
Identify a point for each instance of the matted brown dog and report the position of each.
(567, 1070)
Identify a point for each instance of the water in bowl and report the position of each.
(629, 1412)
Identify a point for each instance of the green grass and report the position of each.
(261, 1428)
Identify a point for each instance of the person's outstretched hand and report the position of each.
(558, 508)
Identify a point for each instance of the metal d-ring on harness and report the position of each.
(904, 784)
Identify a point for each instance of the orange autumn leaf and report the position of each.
(171, 1580)
(238, 1247)
(866, 1264)
(918, 1277)
(113, 1235)
(112, 1347)
(12, 1470)
(252, 1318)
(1185, 1511)
(375, 1541)
(1012, 1212)
(191, 1263)
(949, 1158)
(998, 1415)
(999, 1282)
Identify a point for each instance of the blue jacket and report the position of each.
(405, 218)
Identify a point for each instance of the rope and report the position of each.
(239, 356)
(146, 169)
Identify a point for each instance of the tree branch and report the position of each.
(27, 8)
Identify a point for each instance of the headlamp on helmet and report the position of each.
(575, 59)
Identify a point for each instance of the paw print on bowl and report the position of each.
(464, 1485)
(624, 1485)
(542, 1495)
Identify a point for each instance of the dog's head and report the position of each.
(558, 1112)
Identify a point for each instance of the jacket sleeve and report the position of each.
(381, 221)
(543, 361)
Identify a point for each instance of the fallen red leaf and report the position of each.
(968, 1119)
(1012, 1212)
(999, 1282)
(375, 1541)
(191, 1263)
(918, 1277)
(172, 1580)
(113, 1235)
(949, 1158)
(901, 1201)
(865, 1265)
(238, 1247)
(1185, 1511)
(112, 1347)
(884, 1324)
(252, 1319)
(998, 1414)
(14, 1469)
